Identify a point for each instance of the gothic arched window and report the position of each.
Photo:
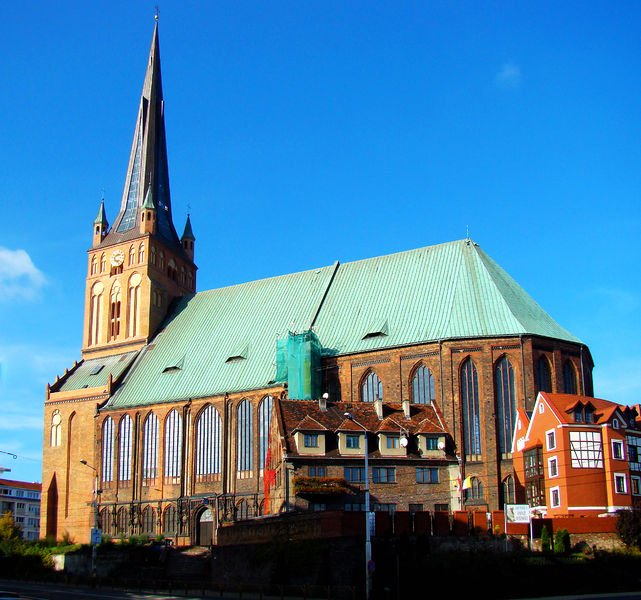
(569, 378)
(471, 409)
(94, 265)
(509, 490)
(371, 387)
(114, 311)
(244, 437)
(103, 262)
(543, 375)
(264, 420)
(148, 522)
(132, 255)
(170, 521)
(95, 313)
(475, 491)
(133, 305)
(173, 447)
(124, 455)
(208, 445)
(108, 450)
(56, 429)
(150, 449)
(505, 402)
(141, 253)
(423, 386)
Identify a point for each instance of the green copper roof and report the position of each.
(224, 340)
(95, 372)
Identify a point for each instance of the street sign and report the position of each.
(96, 536)
(517, 513)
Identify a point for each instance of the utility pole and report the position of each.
(96, 534)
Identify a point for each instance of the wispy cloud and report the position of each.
(508, 76)
(20, 279)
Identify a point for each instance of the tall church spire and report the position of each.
(147, 169)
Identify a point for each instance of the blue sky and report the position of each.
(300, 133)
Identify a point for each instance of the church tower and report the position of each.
(138, 266)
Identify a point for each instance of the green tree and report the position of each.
(545, 539)
(562, 541)
(629, 527)
(8, 529)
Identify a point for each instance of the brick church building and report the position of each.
(166, 420)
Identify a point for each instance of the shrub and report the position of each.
(562, 542)
(629, 527)
(545, 539)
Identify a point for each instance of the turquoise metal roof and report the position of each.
(95, 372)
(224, 340)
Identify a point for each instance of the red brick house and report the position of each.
(578, 455)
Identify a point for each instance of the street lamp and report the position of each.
(94, 534)
(368, 541)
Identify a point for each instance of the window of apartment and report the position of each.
(445, 507)
(353, 440)
(33, 495)
(20, 493)
(620, 483)
(318, 471)
(586, 449)
(393, 441)
(553, 467)
(634, 442)
(414, 508)
(384, 474)
(317, 506)
(354, 474)
(617, 449)
(555, 497)
(20, 505)
(431, 443)
(426, 475)
(354, 507)
(635, 485)
(19, 519)
(385, 507)
(550, 437)
(311, 440)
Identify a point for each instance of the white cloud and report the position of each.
(509, 76)
(20, 279)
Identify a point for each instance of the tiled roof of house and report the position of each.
(23, 485)
(447, 291)
(565, 404)
(424, 418)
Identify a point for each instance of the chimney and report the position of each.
(322, 402)
(406, 408)
(378, 406)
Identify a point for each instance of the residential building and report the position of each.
(578, 456)
(167, 413)
(22, 500)
(317, 457)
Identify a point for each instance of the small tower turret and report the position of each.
(148, 213)
(100, 224)
(187, 240)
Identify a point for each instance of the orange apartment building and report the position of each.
(578, 456)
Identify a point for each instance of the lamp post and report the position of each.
(368, 541)
(94, 544)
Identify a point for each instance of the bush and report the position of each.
(545, 539)
(629, 527)
(562, 542)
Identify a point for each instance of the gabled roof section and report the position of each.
(95, 372)
(147, 176)
(309, 424)
(207, 328)
(389, 425)
(447, 291)
(564, 405)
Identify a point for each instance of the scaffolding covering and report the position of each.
(298, 361)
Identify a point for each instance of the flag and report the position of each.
(467, 484)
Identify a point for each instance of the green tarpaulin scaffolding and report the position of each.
(298, 361)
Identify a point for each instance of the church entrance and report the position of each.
(205, 528)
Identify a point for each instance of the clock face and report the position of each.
(117, 258)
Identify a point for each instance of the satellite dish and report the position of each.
(441, 445)
(404, 442)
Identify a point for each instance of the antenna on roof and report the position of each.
(157, 13)
(467, 232)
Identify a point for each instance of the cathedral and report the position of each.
(191, 409)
